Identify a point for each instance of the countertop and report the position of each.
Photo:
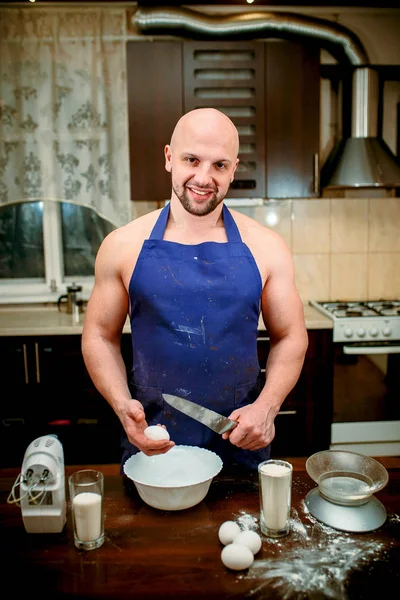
(149, 553)
(47, 320)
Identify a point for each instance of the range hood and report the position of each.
(360, 161)
(363, 160)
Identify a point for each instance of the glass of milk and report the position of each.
(86, 492)
(275, 487)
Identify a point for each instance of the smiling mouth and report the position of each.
(201, 193)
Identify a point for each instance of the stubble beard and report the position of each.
(199, 210)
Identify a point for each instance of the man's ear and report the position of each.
(168, 157)
(234, 169)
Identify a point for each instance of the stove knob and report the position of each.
(348, 332)
(373, 332)
(386, 331)
(361, 332)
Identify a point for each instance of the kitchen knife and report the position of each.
(208, 417)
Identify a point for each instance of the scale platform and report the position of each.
(354, 519)
(344, 497)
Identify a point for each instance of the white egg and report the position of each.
(249, 538)
(228, 531)
(154, 432)
(237, 557)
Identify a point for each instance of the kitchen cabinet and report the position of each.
(271, 91)
(303, 425)
(47, 390)
(292, 113)
(154, 80)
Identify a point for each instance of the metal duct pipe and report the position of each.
(365, 100)
(342, 43)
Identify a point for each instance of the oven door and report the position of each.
(366, 398)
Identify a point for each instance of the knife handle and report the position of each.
(229, 426)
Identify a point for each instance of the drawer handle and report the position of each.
(37, 362)
(263, 339)
(25, 364)
(316, 173)
(11, 421)
(287, 412)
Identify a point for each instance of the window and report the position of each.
(46, 245)
(64, 166)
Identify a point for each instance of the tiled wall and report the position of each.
(343, 248)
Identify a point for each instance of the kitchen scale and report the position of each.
(344, 498)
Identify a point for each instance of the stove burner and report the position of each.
(387, 305)
(353, 312)
(342, 305)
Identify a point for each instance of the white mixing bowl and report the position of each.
(176, 480)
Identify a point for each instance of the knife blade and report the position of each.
(208, 417)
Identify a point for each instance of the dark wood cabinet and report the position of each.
(303, 425)
(292, 119)
(270, 90)
(47, 389)
(154, 72)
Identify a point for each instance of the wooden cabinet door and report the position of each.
(229, 76)
(155, 104)
(303, 424)
(48, 391)
(292, 119)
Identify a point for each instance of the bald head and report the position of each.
(203, 123)
(202, 158)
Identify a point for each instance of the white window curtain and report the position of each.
(63, 108)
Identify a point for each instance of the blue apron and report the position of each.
(194, 319)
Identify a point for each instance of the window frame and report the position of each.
(35, 291)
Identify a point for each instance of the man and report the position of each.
(193, 276)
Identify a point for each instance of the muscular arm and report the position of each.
(104, 321)
(105, 317)
(283, 316)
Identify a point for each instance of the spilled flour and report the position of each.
(246, 521)
(318, 564)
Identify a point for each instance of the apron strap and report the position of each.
(232, 231)
(157, 232)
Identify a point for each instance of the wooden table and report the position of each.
(149, 553)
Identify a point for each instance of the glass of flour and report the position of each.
(275, 486)
(86, 490)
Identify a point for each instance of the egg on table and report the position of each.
(237, 557)
(249, 538)
(228, 531)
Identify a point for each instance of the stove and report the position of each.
(374, 322)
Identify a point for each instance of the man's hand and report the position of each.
(255, 429)
(134, 422)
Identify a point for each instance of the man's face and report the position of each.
(202, 167)
(200, 188)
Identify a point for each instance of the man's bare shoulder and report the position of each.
(253, 232)
(134, 232)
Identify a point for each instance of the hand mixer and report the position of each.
(41, 486)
